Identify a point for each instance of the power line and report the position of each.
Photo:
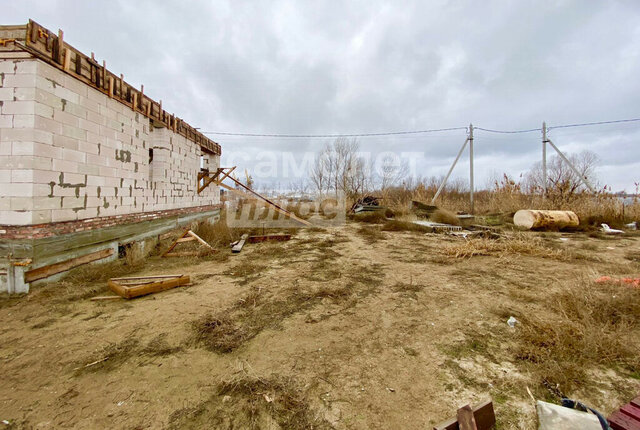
(392, 133)
(433, 130)
(585, 124)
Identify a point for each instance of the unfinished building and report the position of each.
(88, 163)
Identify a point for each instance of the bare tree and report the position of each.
(562, 181)
(339, 168)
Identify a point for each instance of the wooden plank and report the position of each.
(270, 237)
(466, 421)
(620, 421)
(173, 245)
(100, 298)
(631, 412)
(46, 271)
(183, 254)
(196, 237)
(127, 278)
(186, 239)
(238, 246)
(483, 413)
(131, 291)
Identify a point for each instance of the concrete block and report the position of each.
(89, 104)
(72, 155)
(98, 181)
(64, 166)
(44, 203)
(66, 142)
(42, 136)
(74, 178)
(44, 176)
(66, 94)
(9, 217)
(5, 176)
(89, 126)
(5, 204)
(49, 72)
(23, 107)
(7, 66)
(108, 171)
(74, 132)
(26, 66)
(21, 175)
(96, 160)
(97, 96)
(43, 97)
(74, 109)
(19, 81)
(45, 150)
(22, 148)
(73, 84)
(88, 169)
(96, 118)
(59, 215)
(44, 110)
(87, 147)
(21, 203)
(6, 121)
(72, 202)
(16, 135)
(16, 190)
(95, 138)
(26, 93)
(66, 118)
(48, 124)
(6, 94)
(41, 216)
(24, 121)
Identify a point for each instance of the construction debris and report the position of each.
(131, 287)
(542, 219)
(556, 417)
(608, 230)
(367, 204)
(627, 417)
(270, 237)
(422, 210)
(237, 246)
(479, 417)
(437, 226)
(188, 236)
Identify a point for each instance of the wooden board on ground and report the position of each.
(237, 247)
(269, 237)
(52, 269)
(483, 415)
(188, 236)
(627, 417)
(140, 286)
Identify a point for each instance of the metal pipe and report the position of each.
(584, 179)
(449, 173)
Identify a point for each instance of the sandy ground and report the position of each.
(387, 357)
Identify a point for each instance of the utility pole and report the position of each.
(471, 167)
(544, 159)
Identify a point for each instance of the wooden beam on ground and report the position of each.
(130, 291)
(238, 246)
(52, 269)
(270, 237)
(187, 236)
(482, 413)
(100, 298)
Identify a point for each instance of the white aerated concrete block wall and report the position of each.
(69, 152)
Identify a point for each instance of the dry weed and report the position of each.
(370, 234)
(397, 225)
(445, 217)
(517, 244)
(590, 324)
(373, 217)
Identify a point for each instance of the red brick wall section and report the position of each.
(39, 231)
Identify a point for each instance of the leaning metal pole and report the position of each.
(544, 159)
(444, 182)
(583, 178)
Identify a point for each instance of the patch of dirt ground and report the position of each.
(346, 328)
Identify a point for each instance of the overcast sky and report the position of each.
(324, 67)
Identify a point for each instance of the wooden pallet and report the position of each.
(627, 417)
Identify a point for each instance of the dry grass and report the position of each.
(370, 234)
(251, 402)
(445, 217)
(524, 244)
(374, 217)
(397, 225)
(591, 324)
(229, 329)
